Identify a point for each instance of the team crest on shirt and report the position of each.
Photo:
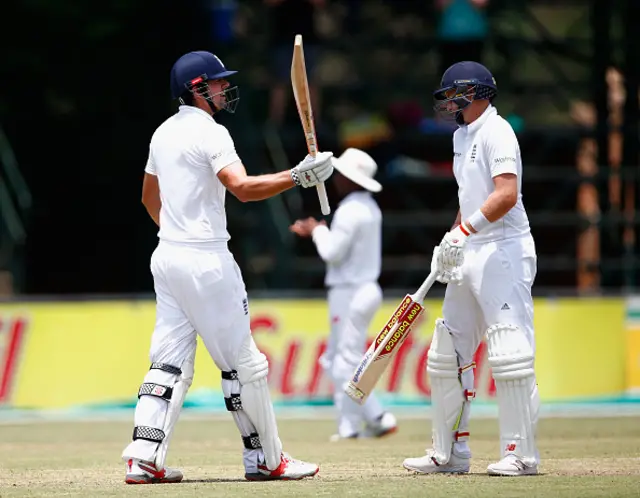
(473, 153)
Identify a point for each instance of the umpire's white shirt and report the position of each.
(352, 247)
(187, 152)
(486, 148)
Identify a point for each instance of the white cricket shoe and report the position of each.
(290, 469)
(512, 465)
(385, 425)
(426, 464)
(141, 472)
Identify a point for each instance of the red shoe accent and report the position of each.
(158, 474)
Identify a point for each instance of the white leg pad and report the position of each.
(251, 440)
(512, 362)
(448, 397)
(256, 401)
(175, 407)
(160, 401)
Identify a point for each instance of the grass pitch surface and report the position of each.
(580, 458)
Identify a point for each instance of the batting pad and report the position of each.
(512, 362)
(256, 401)
(175, 407)
(160, 396)
(447, 394)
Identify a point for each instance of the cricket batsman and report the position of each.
(352, 250)
(489, 258)
(199, 288)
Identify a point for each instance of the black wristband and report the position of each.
(294, 177)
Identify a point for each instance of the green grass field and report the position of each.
(581, 458)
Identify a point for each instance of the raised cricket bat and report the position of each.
(303, 102)
(387, 343)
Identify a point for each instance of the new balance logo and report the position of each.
(505, 306)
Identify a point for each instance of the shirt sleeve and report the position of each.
(333, 244)
(502, 151)
(220, 149)
(151, 166)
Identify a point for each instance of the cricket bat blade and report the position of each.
(387, 343)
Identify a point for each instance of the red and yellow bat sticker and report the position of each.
(397, 314)
(403, 329)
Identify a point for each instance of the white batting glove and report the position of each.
(444, 275)
(313, 170)
(452, 248)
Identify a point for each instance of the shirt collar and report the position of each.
(196, 110)
(477, 124)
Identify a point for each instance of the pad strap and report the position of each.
(230, 375)
(252, 441)
(148, 433)
(151, 389)
(165, 367)
(233, 403)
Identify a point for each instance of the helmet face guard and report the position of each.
(452, 99)
(227, 99)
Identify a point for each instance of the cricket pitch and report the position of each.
(597, 457)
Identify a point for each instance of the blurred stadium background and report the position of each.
(84, 84)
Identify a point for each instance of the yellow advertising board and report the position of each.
(85, 354)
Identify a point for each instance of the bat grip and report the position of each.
(324, 200)
(424, 288)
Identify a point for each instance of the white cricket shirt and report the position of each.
(352, 247)
(187, 152)
(486, 148)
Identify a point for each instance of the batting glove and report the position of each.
(452, 248)
(313, 170)
(444, 276)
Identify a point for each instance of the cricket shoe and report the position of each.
(457, 464)
(511, 465)
(141, 472)
(385, 424)
(290, 469)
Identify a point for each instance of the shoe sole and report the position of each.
(262, 477)
(388, 432)
(421, 472)
(146, 480)
(515, 473)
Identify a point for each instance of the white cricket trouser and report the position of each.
(198, 291)
(351, 309)
(496, 288)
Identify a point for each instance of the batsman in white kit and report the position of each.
(352, 250)
(489, 262)
(199, 288)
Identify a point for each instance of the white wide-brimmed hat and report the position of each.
(359, 167)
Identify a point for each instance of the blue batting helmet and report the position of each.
(461, 84)
(189, 68)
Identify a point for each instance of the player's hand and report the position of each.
(452, 249)
(444, 276)
(313, 170)
(305, 228)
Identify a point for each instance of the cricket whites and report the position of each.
(387, 343)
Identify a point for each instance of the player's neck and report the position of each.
(476, 111)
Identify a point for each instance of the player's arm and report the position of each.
(151, 196)
(502, 152)
(333, 244)
(501, 200)
(254, 188)
(458, 220)
(225, 162)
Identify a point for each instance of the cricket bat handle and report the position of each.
(424, 288)
(324, 200)
(322, 190)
